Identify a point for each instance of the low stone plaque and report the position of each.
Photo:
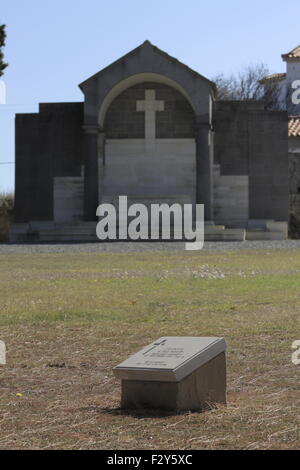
(175, 373)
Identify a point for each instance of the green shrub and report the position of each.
(6, 214)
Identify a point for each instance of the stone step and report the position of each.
(274, 226)
(86, 232)
(265, 235)
(65, 236)
(220, 234)
(210, 229)
(227, 234)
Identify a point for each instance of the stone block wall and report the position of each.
(68, 198)
(26, 169)
(48, 144)
(169, 169)
(230, 199)
(294, 182)
(252, 141)
(268, 166)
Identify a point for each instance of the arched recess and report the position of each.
(160, 170)
(134, 80)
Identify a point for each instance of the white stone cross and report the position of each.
(150, 106)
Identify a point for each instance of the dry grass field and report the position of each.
(67, 319)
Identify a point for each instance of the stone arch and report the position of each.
(156, 155)
(122, 120)
(134, 80)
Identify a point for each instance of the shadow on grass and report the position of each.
(144, 413)
(139, 413)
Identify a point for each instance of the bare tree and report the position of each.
(3, 65)
(249, 84)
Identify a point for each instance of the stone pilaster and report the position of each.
(204, 166)
(90, 172)
(101, 165)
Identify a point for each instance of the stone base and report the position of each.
(196, 392)
(86, 232)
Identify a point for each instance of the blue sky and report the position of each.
(54, 45)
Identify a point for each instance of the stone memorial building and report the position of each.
(151, 128)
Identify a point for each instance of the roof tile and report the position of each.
(294, 126)
(293, 54)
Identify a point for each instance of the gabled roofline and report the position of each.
(273, 78)
(294, 54)
(165, 54)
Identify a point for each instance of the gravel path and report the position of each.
(123, 247)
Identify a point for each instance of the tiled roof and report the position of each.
(294, 54)
(294, 126)
(275, 77)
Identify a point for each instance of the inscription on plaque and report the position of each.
(160, 351)
(174, 356)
